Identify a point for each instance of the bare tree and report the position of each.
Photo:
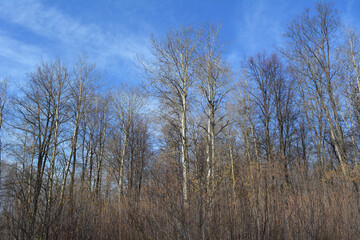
(349, 54)
(284, 103)
(261, 71)
(213, 74)
(3, 100)
(85, 81)
(171, 75)
(139, 154)
(59, 98)
(41, 112)
(128, 102)
(311, 52)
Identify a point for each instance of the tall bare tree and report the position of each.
(128, 102)
(213, 74)
(261, 71)
(349, 54)
(311, 52)
(170, 77)
(40, 113)
(85, 81)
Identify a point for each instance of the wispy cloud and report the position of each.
(259, 24)
(349, 14)
(18, 51)
(17, 58)
(69, 35)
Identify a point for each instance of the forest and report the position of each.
(199, 150)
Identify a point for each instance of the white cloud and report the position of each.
(17, 59)
(18, 51)
(69, 36)
(260, 24)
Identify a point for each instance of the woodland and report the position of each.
(200, 150)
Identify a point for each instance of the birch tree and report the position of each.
(213, 74)
(170, 76)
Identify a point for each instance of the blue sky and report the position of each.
(112, 33)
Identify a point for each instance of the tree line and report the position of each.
(200, 151)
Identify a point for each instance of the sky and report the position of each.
(112, 33)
